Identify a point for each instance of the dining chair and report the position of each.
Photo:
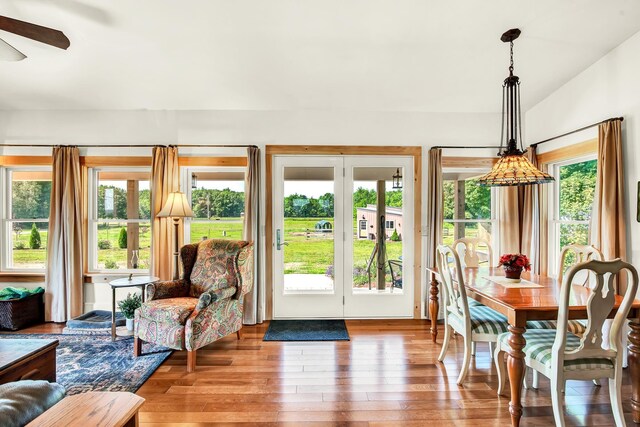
(561, 355)
(581, 253)
(467, 250)
(474, 324)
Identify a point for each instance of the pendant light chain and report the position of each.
(511, 56)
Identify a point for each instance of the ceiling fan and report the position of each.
(31, 31)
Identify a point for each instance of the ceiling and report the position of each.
(368, 55)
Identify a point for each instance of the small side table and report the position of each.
(138, 282)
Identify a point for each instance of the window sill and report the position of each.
(22, 277)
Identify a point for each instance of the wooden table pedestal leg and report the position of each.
(516, 368)
(434, 307)
(634, 369)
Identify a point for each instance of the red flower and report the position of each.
(515, 260)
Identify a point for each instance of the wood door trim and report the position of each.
(273, 150)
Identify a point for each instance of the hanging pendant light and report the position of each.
(513, 168)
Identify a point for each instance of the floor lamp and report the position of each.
(176, 207)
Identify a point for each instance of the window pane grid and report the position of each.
(26, 218)
(120, 229)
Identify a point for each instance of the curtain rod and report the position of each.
(463, 147)
(132, 145)
(577, 130)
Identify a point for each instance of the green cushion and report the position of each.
(574, 326)
(540, 342)
(23, 401)
(483, 321)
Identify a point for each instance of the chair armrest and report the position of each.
(169, 289)
(208, 298)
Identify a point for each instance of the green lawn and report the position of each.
(309, 252)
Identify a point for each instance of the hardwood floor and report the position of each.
(387, 375)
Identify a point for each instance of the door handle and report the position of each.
(279, 242)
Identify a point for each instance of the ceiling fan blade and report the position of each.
(10, 53)
(35, 32)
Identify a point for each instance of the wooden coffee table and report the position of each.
(100, 409)
(27, 359)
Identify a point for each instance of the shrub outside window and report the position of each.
(27, 193)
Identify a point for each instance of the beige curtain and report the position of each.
(435, 202)
(540, 241)
(521, 220)
(608, 223)
(165, 179)
(533, 216)
(64, 297)
(252, 314)
(509, 220)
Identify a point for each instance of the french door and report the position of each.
(342, 236)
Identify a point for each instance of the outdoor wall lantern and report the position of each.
(397, 180)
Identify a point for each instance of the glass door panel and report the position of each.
(379, 245)
(377, 240)
(308, 261)
(307, 237)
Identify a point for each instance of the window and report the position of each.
(217, 202)
(119, 220)
(468, 209)
(26, 218)
(572, 203)
(389, 225)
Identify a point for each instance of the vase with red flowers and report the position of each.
(513, 264)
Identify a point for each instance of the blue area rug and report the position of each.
(95, 363)
(307, 330)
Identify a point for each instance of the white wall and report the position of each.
(305, 127)
(609, 88)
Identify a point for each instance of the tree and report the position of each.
(122, 238)
(363, 197)
(144, 204)
(34, 238)
(119, 202)
(394, 198)
(30, 199)
(326, 205)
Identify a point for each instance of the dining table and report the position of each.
(536, 299)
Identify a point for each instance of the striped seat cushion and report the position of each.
(472, 302)
(576, 327)
(538, 348)
(483, 321)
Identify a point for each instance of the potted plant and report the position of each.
(128, 308)
(513, 264)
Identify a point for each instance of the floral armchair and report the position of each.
(204, 305)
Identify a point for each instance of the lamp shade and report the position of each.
(514, 169)
(177, 206)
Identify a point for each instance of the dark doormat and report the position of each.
(307, 330)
